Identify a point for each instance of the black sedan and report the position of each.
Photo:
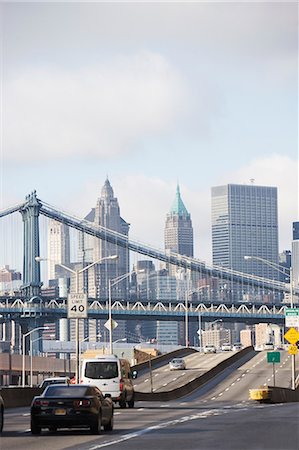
(71, 406)
(1, 414)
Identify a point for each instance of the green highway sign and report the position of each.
(292, 317)
(273, 357)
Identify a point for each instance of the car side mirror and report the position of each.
(134, 374)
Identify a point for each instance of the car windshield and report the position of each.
(49, 382)
(65, 391)
(177, 361)
(101, 370)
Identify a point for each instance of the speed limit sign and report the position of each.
(77, 306)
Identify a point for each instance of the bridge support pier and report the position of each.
(31, 269)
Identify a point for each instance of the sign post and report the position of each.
(77, 306)
(292, 336)
(273, 357)
(77, 309)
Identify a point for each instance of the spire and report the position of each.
(107, 191)
(178, 206)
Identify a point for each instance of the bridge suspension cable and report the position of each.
(192, 264)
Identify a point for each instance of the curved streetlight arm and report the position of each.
(277, 267)
(96, 262)
(113, 282)
(39, 259)
(122, 277)
(35, 329)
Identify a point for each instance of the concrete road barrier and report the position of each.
(16, 396)
(194, 384)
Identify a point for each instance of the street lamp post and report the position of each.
(113, 282)
(23, 350)
(77, 273)
(199, 316)
(282, 270)
(31, 355)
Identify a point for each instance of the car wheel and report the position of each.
(35, 428)
(131, 403)
(109, 425)
(1, 419)
(122, 404)
(96, 427)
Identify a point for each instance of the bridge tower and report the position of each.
(31, 269)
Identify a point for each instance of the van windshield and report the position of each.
(101, 370)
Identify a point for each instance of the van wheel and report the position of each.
(122, 404)
(131, 403)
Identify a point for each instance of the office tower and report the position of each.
(105, 214)
(295, 258)
(178, 234)
(178, 238)
(58, 246)
(245, 223)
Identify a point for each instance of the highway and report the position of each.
(164, 379)
(217, 416)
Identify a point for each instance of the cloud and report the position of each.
(98, 111)
(274, 170)
(144, 201)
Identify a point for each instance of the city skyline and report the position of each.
(209, 98)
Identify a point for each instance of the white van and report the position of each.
(112, 376)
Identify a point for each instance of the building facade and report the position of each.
(178, 233)
(245, 223)
(58, 247)
(105, 214)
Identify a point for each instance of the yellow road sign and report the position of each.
(293, 350)
(292, 336)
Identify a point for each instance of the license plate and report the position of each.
(60, 412)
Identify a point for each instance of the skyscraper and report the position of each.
(58, 246)
(178, 238)
(106, 214)
(245, 223)
(178, 234)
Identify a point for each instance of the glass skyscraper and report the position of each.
(245, 223)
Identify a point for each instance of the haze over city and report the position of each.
(150, 94)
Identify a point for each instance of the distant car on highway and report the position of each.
(209, 348)
(72, 406)
(237, 346)
(226, 347)
(1, 414)
(54, 380)
(177, 364)
(268, 346)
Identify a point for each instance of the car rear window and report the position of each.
(65, 391)
(97, 370)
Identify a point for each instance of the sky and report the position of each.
(150, 94)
